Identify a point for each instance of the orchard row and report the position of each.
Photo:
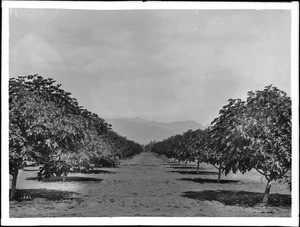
(251, 134)
(49, 128)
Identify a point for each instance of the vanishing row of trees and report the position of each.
(49, 128)
(251, 134)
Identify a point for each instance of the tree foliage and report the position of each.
(47, 126)
(251, 134)
(268, 128)
(226, 144)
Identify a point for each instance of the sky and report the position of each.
(162, 65)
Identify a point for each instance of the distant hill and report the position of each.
(143, 131)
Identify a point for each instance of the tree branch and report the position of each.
(263, 173)
(259, 171)
(215, 166)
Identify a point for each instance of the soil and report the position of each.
(148, 185)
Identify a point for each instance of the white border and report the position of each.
(4, 117)
(121, 5)
(295, 108)
(292, 221)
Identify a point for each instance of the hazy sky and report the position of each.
(164, 65)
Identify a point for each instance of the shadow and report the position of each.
(68, 179)
(202, 181)
(30, 194)
(240, 198)
(141, 164)
(194, 172)
(183, 167)
(97, 171)
(130, 164)
(94, 171)
(34, 170)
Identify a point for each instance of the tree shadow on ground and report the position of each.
(99, 171)
(34, 170)
(54, 195)
(141, 164)
(202, 180)
(68, 179)
(183, 167)
(239, 198)
(130, 164)
(95, 171)
(194, 172)
(173, 164)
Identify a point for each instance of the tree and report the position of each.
(38, 127)
(226, 145)
(122, 147)
(187, 152)
(47, 126)
(268, 128)
(175, 148)
(96, 151)
(149, 146)
(251, 134)
(198, 143)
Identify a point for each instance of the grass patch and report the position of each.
(68, 179)
(239, 198)
(54, 195)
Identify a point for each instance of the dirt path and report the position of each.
(142, 186)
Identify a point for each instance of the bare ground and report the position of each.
(147, 185)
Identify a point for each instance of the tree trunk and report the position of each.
(198, 163)
(13, 185)
(64, 176)
(185, 163)
(219, 174)
(267, 193)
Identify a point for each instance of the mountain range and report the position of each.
(143, 131)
